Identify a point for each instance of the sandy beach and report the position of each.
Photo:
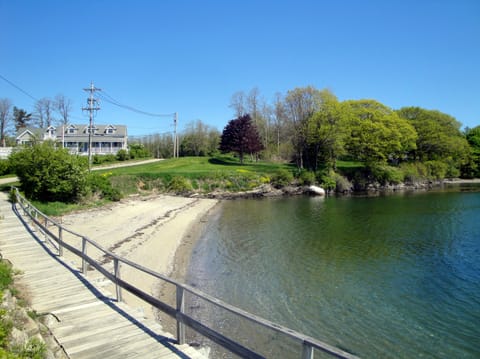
(147, 231)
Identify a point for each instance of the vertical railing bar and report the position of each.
(118, 289)
(46, 227)
(307, 351)
(84, 253)
(60, 241)
(180, 310)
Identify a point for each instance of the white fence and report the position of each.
(5, 152)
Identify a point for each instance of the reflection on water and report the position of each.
(391, 276)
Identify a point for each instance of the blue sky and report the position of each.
(191, 56)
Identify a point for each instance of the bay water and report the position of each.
(388, 276)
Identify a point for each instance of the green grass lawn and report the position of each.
(197, 167)
(199, 174)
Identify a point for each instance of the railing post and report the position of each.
(84, 253)
(180, 309)
(307, 352)
(46, 227)
(60, 241)
(116, 266)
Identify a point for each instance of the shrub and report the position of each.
(306, 177)
(5, 167)
(179, 185)
(33, 349)
(122, 155)
(282, 178)
(413, 171)
(385, 174)
(138, 150)
(6, 276)
(327, 180)
(101, 186)
(436, 169)
(99, 159)
(50, 174)
(342, 184)
(332, 181)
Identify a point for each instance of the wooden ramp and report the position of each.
(91, 324)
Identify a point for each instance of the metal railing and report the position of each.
(178, 312)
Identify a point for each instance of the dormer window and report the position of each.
(51, 131)
(92, 130)
(109, 130)
(71, 130)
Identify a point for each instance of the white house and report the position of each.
(106, 139)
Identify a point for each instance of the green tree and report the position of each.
(473, 137)
(326, 131)
(50, 174)
(377, 133)
(439, 138)
(300, 105)
(199, 139)
(241, 136)
(138, 150)
(439, 134)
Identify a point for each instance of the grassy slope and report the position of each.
(197, 167)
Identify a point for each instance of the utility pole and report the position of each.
(92, 108)
(175, 138)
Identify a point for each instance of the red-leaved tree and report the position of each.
(241, 136)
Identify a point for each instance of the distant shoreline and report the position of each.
(461, 181)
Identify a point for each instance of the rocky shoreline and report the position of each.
(267, 190)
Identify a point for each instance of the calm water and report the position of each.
(394, 276)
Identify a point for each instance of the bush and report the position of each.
(49, 174)
(6, 275)
(306, 177)
(122, 155)
(179, 185)
(101, 186)
(282, 178)
(33, 349)
(5, 167)
(327, 180)
(436, 169)
(413, 171)
(332, 181)
(385, 174)
(99, 159)
(138, 150)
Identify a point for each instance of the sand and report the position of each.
(145, 230)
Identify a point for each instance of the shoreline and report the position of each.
(181, 265)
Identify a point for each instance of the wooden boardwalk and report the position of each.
(91, 324)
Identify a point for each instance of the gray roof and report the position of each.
(81, 135)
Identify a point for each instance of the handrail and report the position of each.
(309, 344)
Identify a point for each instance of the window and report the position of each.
(92, 129)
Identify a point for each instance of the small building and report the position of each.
(106, 139)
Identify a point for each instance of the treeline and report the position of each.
(314, 129)
(47, 111)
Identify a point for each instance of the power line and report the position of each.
(18, 88)
(106, 97)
